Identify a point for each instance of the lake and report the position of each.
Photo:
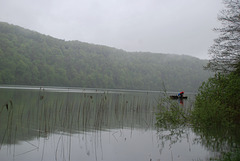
(56, 123)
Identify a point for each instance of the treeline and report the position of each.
(30, 58)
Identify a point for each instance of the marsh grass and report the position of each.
(39, 114)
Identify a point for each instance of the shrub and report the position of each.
(218, 101)
(171, 113)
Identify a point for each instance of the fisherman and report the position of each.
(180, 94)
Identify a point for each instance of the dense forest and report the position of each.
(31, 58)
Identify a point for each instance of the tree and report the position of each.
(225, 51)
(31, 58)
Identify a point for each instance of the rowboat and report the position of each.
(177, 97)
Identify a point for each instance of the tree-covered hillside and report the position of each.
(30, 58)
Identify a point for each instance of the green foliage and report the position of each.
(30, 58)
(229, 156)
(171, 113)
(218, 101)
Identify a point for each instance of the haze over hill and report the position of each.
(160, 26)
(31, 58)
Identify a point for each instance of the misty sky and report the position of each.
(162, 26)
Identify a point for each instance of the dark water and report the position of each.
(54, 123)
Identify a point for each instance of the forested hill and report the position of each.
(30, 58)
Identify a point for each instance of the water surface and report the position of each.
(53, 123)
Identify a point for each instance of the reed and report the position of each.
(43, 113)
(90, 110)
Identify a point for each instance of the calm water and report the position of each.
(93, 124)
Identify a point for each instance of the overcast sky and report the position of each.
(162, 26)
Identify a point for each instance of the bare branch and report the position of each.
(225, 52)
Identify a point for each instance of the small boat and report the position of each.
(177, 97)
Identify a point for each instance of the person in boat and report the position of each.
(180, 94)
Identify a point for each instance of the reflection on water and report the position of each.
(90, 124)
